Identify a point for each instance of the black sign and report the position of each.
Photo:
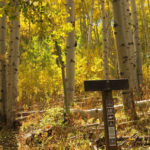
(106, 86)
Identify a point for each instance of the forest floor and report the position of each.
(8, 139)
(46, 130)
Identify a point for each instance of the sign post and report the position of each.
(106, 86)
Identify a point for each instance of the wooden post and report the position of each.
(106, 86)
(109, 120)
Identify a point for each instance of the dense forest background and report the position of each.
(48, 48)
(43, 23)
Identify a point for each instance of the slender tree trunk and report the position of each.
(2, 66)
(137, 44)
(130, 44)
(83, 26)
(110, 42)
(148, 5)
(83, 30)
(12, 73)
(70, 62)
(133, 84)
(146, 28)
(105, 39)
(96, 34)
(123, 57)
(90, 23)
(122, 52)
(60, 59)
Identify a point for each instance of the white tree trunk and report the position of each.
(12, 70)
(70, 62)
(105, 33)
(129, 44)
(90, 23)
(120, 42)
(83, 26)
(136, 40)
(146, 28)
(123, 56)
(2, 65)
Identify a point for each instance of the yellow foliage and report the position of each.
(3, 57)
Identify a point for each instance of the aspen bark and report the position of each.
(123, 56)
(2, 65)
(96, 34)
(136, 41)
(70, 62)
(12, 70)
(97, 39)
(58, 49)
(120, 42)
(90, 23)
(83, 30)
(83, 26)
(110, 42)
(105, 39)
(146, 28)
(133, 84)
(129, 44)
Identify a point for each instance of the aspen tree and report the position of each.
(108, 38)
(97, 34)
(13, 58)
(2, 65)
(123, 56)
(129, 44)
(136, 40)
(70, 62)
(145, 28)
(83, 25)
(90, 23)
(105, 39)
